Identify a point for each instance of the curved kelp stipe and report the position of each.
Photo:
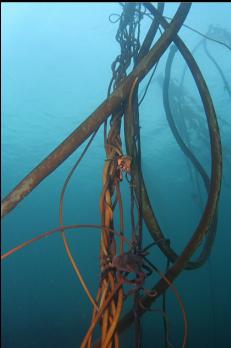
(178, 297)
(60, 228)
(165, 316)
(65, 242)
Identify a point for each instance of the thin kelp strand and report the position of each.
(58, 229)
(99, 314)
(67, 248)
(178, 297)
(203, 35)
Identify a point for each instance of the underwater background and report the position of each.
(56, 67)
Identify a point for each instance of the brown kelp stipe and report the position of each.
(117, 266)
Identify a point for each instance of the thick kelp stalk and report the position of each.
(80, 134)
(215, 183)
(122, 104)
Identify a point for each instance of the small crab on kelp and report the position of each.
(123, 165)
(129, 262)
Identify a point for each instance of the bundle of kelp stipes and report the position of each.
(119, 267)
